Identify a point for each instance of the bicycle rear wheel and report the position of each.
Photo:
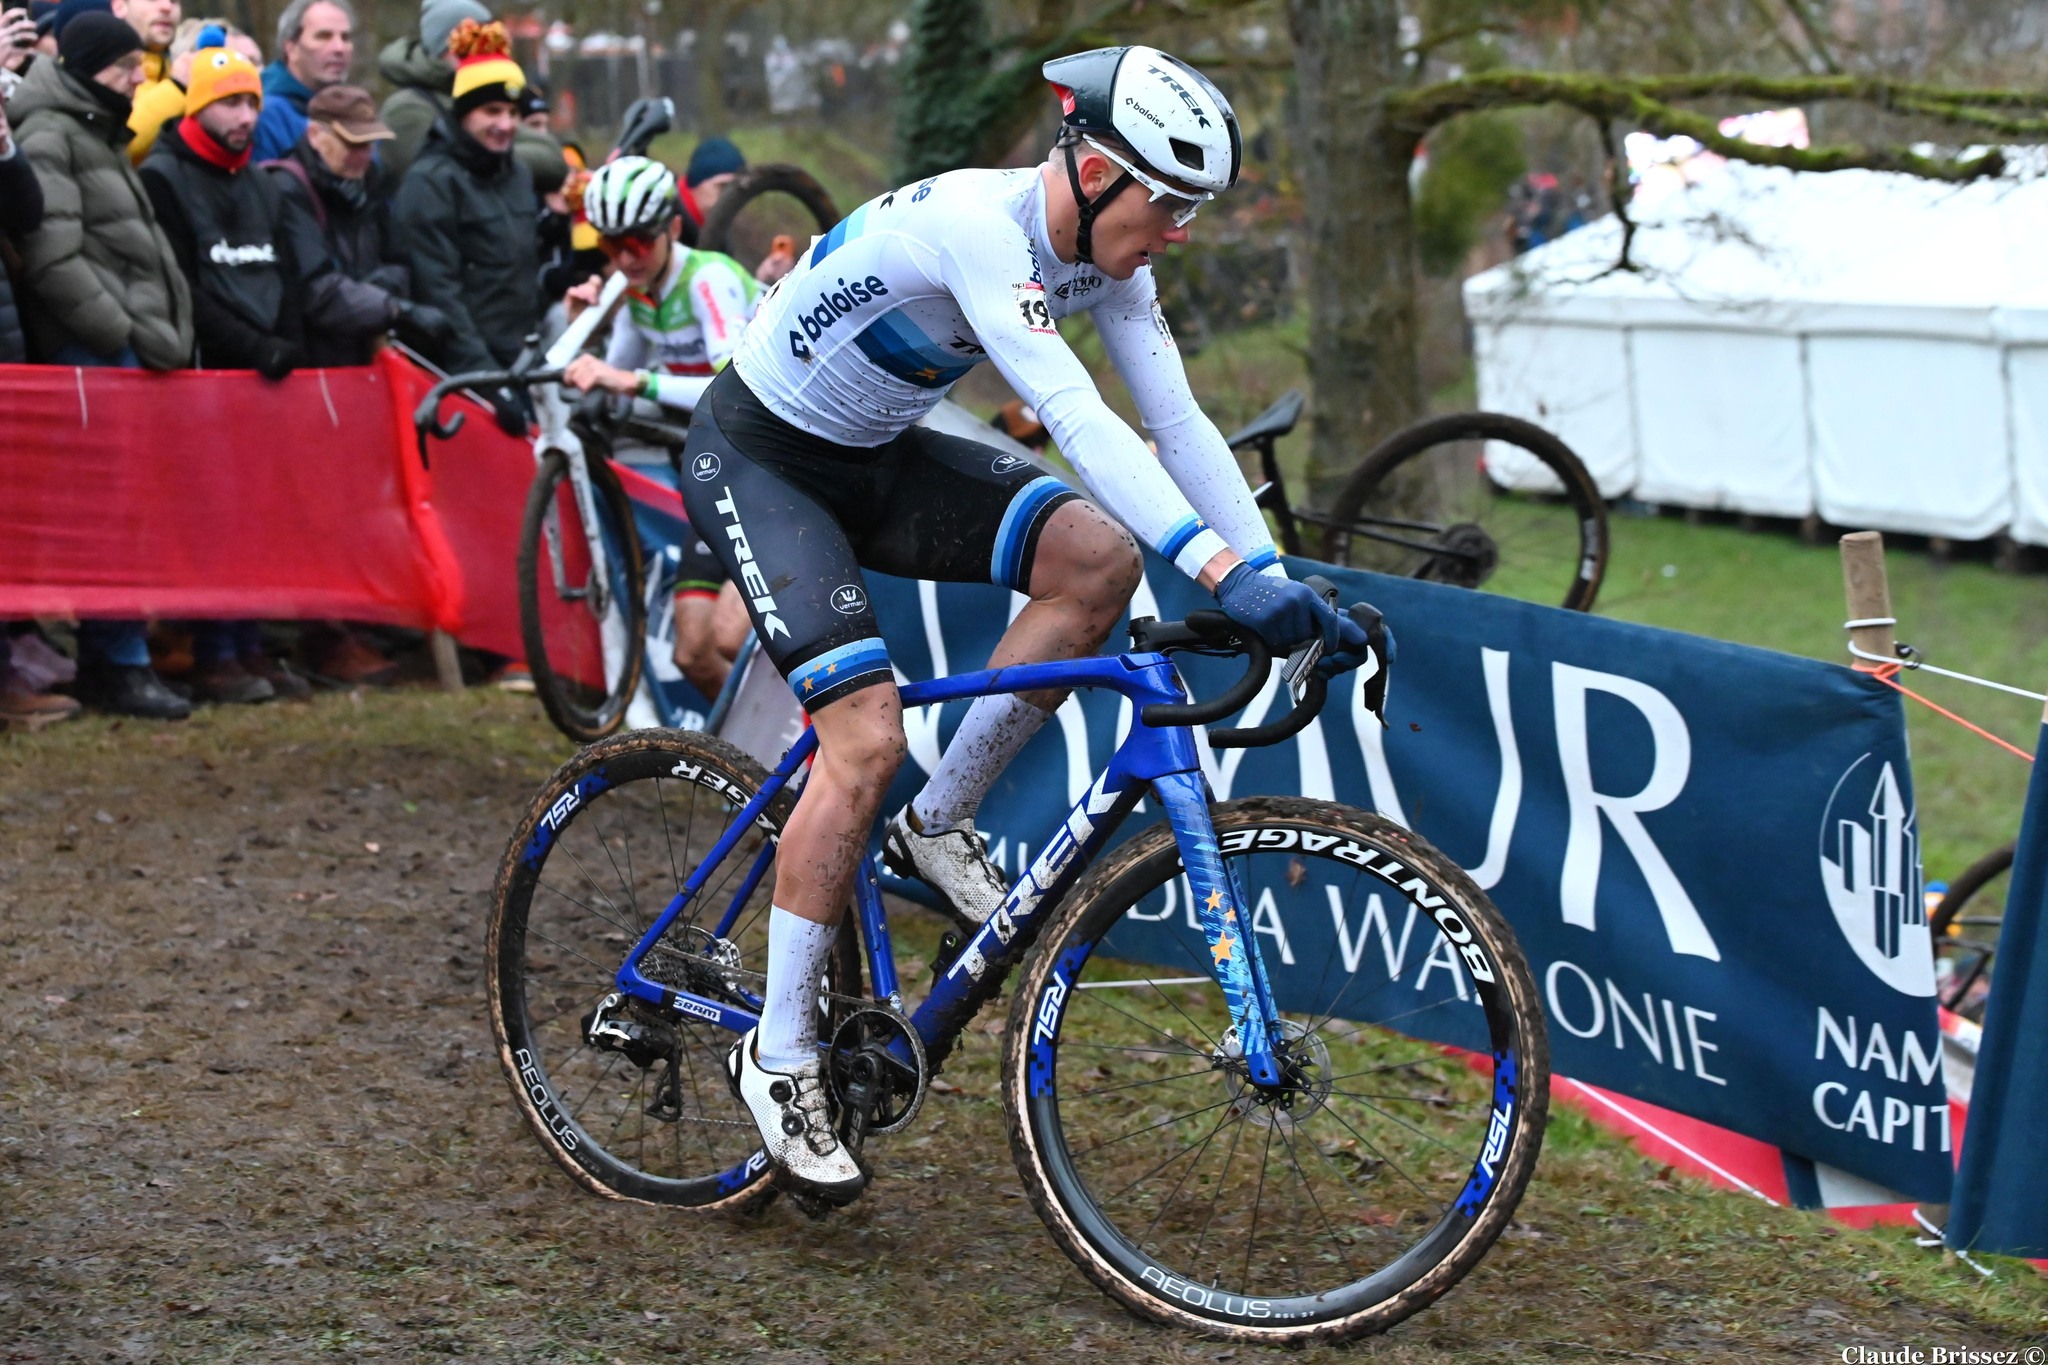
(644, 1112)
(1330, 1207)
(1965, 925)
(1543, 539)
(585, 634)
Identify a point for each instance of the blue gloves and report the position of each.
(1286, 614)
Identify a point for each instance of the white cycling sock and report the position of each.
(798, 950)
(996, 730)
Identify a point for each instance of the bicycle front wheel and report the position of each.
(1370, 1181)
(630, 1100)
(1428, 503)
(584, 632)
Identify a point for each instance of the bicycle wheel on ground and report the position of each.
(643, 1112)
(1323, 1209)
(745, 229)
(1430, 502)
(1965, 925)
(584, 632)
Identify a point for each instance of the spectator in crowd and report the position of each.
(422, 72)
(225, 223)
(714, 164)
(44, 12)
(17, 47)
(158, 102)
(156, 23)
(467, 216)
(101, 284)
(337, 213)
(21, 212)
(316, 45)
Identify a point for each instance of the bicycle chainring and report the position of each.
(869, 1073)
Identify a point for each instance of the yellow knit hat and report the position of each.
(218, 72)
(487, 71)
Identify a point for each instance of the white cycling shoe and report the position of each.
(796, 1126)
(955, 864)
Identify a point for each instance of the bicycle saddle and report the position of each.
(1271, 424)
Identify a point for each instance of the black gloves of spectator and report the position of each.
(510, 407)
(421, 327)
(277, 358)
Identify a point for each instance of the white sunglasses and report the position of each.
(1159, 188)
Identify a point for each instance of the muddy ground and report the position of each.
(249, 1109)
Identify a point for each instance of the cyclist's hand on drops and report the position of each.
(1283, 613)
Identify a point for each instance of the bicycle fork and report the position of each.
(1226, 922)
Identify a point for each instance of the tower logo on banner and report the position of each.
(1870, 863)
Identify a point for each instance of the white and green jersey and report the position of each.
(686, 327)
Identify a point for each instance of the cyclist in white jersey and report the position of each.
(804, 467)
(682, 319)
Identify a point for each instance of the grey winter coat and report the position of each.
(99, 271)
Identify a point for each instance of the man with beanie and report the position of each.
(316, 46)
(227, 226)
(422, 71)
(714, 164)
(337, 212)
(466, 216)
(102, 286)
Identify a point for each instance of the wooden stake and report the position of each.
(1869, 596)
(448, 664)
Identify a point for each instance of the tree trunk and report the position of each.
(710, 17)
(1360, 230)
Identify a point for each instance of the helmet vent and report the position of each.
(1185, 152)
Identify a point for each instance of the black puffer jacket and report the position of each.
(466, 220)
(21, 212)
(341, 241)
(227, 230)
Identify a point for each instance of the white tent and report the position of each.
(1870, 347)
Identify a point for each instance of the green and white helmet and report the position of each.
(631, 194)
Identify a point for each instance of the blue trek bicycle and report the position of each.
(1222, 1135)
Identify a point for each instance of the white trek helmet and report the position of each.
(631, 195)
(1176, 122)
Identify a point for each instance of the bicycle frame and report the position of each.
(1159, 759)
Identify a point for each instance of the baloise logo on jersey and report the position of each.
(832, 305)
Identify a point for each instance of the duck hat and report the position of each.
(219, 71)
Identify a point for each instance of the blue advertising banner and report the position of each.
(2001, 1201)
(1708, 851)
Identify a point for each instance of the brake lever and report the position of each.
(1302, 662)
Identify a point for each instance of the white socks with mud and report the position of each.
(996, 730)
(798, 950)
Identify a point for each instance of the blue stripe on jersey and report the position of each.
(1006, 563)
(1184, 530)
(842, 232)
(1263, 559)
(836, 666)
(900, 347)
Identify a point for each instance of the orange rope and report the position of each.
(1889, 672)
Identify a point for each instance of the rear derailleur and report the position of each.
(614, 1025)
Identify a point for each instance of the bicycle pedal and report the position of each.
(811, 1205)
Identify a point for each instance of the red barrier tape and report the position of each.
(217, 493)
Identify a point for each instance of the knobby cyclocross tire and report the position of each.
(1559, 573)
(1365, 1188)
(750, 185)
(603, 848)
(583, 712)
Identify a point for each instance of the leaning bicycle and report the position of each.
(584, 602)
(1223, 1134)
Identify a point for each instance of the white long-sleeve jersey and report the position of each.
(912, 290)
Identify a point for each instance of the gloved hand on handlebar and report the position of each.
(1285, 614)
